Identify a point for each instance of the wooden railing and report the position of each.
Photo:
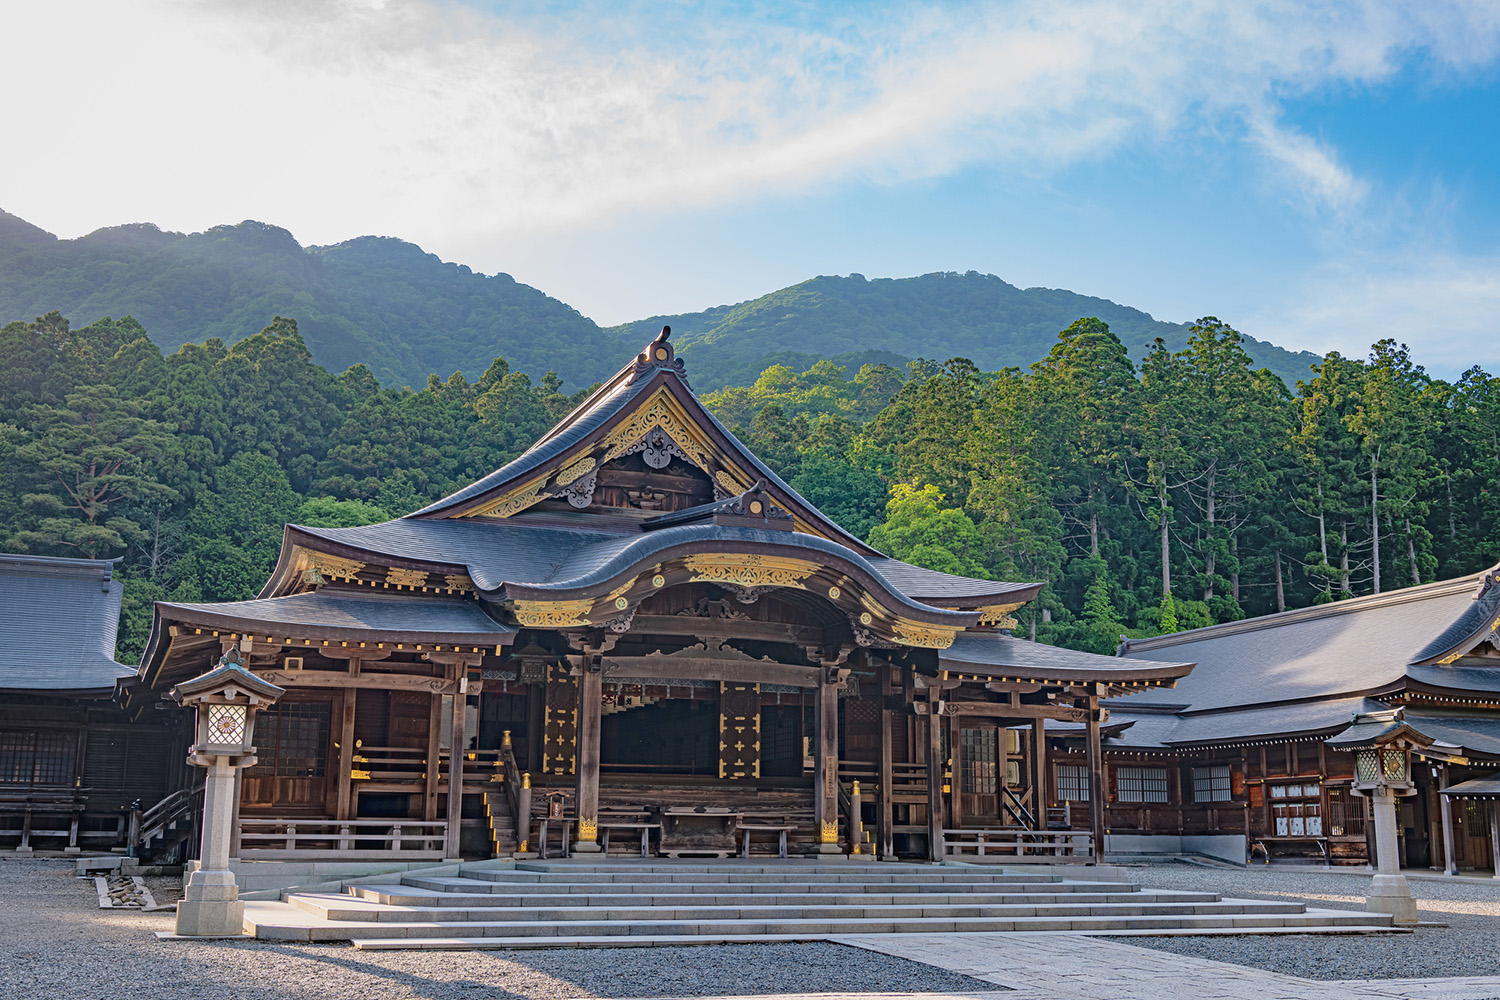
(1021, 846)
(353, 839)
(169, 821)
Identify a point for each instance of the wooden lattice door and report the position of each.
(560, 722)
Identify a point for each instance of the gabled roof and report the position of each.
(335, 615)
(650, 393)
(58, 619)
(1367, 645)
(1010, 658)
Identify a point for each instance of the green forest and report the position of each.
(1186, 489)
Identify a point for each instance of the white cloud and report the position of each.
(1445, 306)
(450, 126)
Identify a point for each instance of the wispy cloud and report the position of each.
(409, 117)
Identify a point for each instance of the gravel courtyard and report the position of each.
(56, 944)
(1468, 946)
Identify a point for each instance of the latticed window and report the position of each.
(1073, 782)
(979, 759)
(291, 740)
(1141, 784)
(1297, 810)
(1211, 783)
(28, 757)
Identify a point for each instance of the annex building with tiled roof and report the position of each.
(1237, 747)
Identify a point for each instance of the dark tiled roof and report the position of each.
(1352, 647)
(1003, 655)
(518, 553)
(1477, 735)
(1187, 729)
(1469, 627)
(58, 619)
(330, 614)
(1487, 787)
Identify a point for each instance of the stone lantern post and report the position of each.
(226, 700)
(1382, 743)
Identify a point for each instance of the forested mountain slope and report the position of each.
(976, 316)
(377, 300)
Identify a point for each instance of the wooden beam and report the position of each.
(826, 765)
(731, 628)
(999, 710)
(709, 669)
(340, 679)
(924, 683)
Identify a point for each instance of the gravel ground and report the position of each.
(1466, 947)
(55, 943)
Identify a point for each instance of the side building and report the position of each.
(1233, 761)
(72, 763)
(637, 637)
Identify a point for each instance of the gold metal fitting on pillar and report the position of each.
(525, 779)
(829, 834)
(505, 740)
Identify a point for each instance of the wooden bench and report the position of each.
(1265, 844)
(565, 824)
(606, 825)
(781, 829)
(29, 802)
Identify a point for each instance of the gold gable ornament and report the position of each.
(750, 570)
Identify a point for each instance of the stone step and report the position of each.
(476, 882)
(345, 908)
(862, 871)
(809, 928)
(414, 896)
(518, 878)
(666, 941)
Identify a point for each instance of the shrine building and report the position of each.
(635, 636)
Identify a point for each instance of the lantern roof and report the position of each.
(228, 680)
(1378, 729)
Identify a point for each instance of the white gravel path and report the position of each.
(56, 944)
(1468, 946)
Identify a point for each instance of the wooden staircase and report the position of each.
(502, 824)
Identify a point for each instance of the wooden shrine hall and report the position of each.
(636, 638)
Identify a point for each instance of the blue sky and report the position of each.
(1317, 174)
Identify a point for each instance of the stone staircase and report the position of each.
(573, 904)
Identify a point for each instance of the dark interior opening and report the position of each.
(672, 736)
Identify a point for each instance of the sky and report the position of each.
(1320, 175)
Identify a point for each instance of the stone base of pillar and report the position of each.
(210, 906)
(586, 847)
(829, 849)
(1391, 894)
(24, 851)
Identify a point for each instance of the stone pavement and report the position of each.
(1073, 967)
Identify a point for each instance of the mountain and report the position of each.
(376, 300)
(407, 314)
(936, 316)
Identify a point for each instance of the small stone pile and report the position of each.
(123, 892)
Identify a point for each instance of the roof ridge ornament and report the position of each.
(657, 356)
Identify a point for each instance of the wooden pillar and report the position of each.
(456, 741)
(343, 808)
(586, 772)
(826, 762)
(1097, 787)
(1495, 836)
(953, 767)
(887, 846)
(434, 757)
(1039, 799)
(1445, 811)
(935, 816)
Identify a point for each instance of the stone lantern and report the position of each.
(1382, 744)
(226, 700)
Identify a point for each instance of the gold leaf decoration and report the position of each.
(925, 636)
(999, 614)
(588, 830)
(336, 567)
(728, 482)
(661, 410)
(829, 834)
(553, 614)
(750, 570)
(458, 581)
(578, 468)
(513, 502)
(412, 578)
